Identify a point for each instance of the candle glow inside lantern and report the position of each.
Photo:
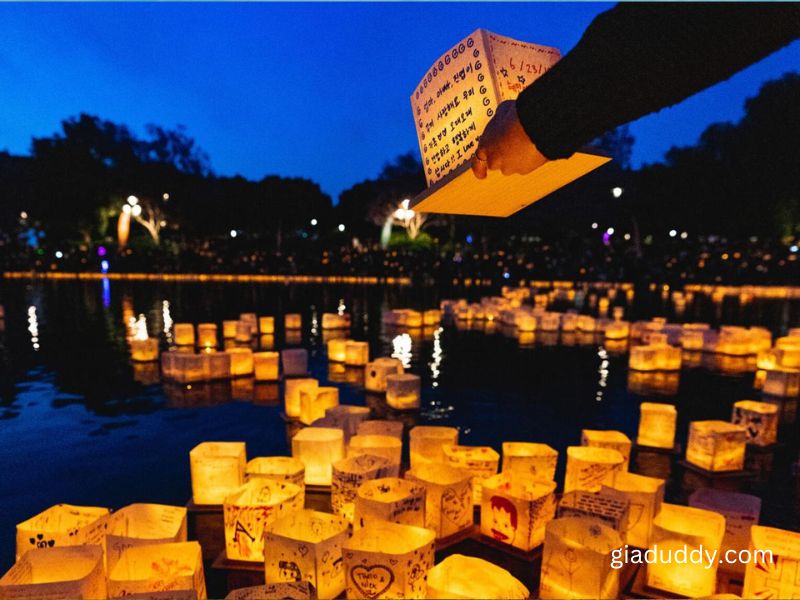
(294, 361)
(307, 546)
(207, 335)
(251, 319)
(291, 394)
(159, 571)
(333, 321)
(349, 473)
(183, 367)
(773, 571)
(318, 448)
(782, 382)
(645, 495)
(356, 353)
(380, 445)
(515, 509)
(265, 365)
(252, 507)
(378, 370)
(618, 330)
(216, 365)
(241, 361)
(687, 529)
(381, 427)
(337, 350)
(217, 470)
(616, 440)
(390, 499)
(466, 577)
(62, 572)
(277, 468)
(657, 425)
(431, 317)
(760, 420)
(59, 525)
(448, 497)
(480, 461)
(145, 350)
(529, 459)
(716, 445)
(347, 418)
(588, 466)
(292, 321)
(576, 562)
(426, 443)
(403, 391)
(314, 401)
(387, 560)
(229, 329)
(266, 325)
(244, 331)
(183, 334)
(301, 590)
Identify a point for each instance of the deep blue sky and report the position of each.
(313, 90)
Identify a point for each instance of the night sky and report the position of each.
(313, 90)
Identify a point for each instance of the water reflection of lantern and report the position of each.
(608, 439)
(349, 473)
(685, 529)
(403, 391)
(772, 573)
(314, 401)
(759, 419)
(217, 470)
(229, 329)
(248, 511)
(645, 495)
(356, 353)
(241, 361)
(337, 350)
(716, 445)
(265, 365)
(782, 382)
(159, 570)
(318, 448)
(266, 325)
(183, 334)
(207, 335)
(459, 576)
(657, 425)
(426, 443)
(377, 371)
(293, 321)
(294, 361)
(480, 461)
(529, 459)
(448, 497)
(59, 525)
(381, 427)
(291, 394)
(390, 499)
(307, 546)
(379, 445)
(63, 572)
(588, 466)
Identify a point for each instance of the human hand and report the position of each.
(504, 145)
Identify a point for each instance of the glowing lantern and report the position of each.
(480, 461)
(772, 573)
(515, 509)
(576, 562)
(248, 511)
(347, 418)
(241, 361)
(529, 460)
(307, 546)
(314, 401)
(381, 427)
(183, 367)
(356, 353)
(686, 529)
(292, 321)
(782, 382)
(217, 470)
(431, 317)
(403, 391)
(244, 332)
(716, 445)
(378, 445)
(229, 329)
(277, 468)
(298, 590)
(390, 499)
(645, 495)
(377, 371)
(448, 497)
(459, 576)
(59, 525)
(588, 466)
(294, 361)
(618, 312)
(266, 325)
(616, 440)
(216, 365)
(760, 420)
(145, 350)
(183, 334)
(63, 572)
(337, 350)
(587, 323)
(207, 335)
(318, 448)
(643, 358)
(159, 570)
(265, 365)
(426, 443)
(387, 560)
(291, 394)
(657, 425)
(349, 473)
(617, 330)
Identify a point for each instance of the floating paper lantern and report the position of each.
(781, 382)
(294, 361)
(248, 511)
(426, 443)
(291, 394)
(62, 572)
(387, 560)
(276, 468)
(381, 427)
(459, 576)
(318, 448)
(480, 461)
(529, 460)
(293, 321)
(759, 419)
(159, 571)
(515, 509)
(59, 525)
(356, 353)
(380, 445)
(266, 325)
(265, 365)
(145, 350)
(376, 372)
(686, 529)
(608, 439)
(617, 330)
(183, 334)
(772, 572)
(403, 391)
(217, 470)
(337, 350)
(301, 590)
(448, 497)
(349, 473)
(576, 562)
(657, 425)
(716, 445)
(587, 323)
(643, 358)
(241, 361)
(645, 495)
(244, 331)
(610, 510)
(347, 418)
(588, 466)
(431, 317)
(229, 329)
(314, 401)
(390, 499)
(183, 367)
(307, 546)
(216, 365)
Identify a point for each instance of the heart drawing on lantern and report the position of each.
(372, 581)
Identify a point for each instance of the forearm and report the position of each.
(639, 58)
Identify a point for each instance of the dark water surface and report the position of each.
(80, 424)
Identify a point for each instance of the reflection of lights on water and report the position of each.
(33, 327)
(140, 328)
(106, 292)
(437, 357)
(167, 317)
(401, 349)
(104, 266)
(314, 321)
(603, 371)
(341, 308)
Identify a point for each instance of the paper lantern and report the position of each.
(277, 468)
(265, 365)
(266, 325)
(59, 525)
(741, 512)
(782, 382)
(403, 391)
(68, 572)
(318, 448)
(337, 350)
(294, 361)
(448, 497)
(291, 394)
(144, 350)
(657, 425)
(387, 560)
(611, 511)
(349, 473)
(381, 427)
(530, 460)
(347, 418)
(426, 443)
(379, 445)
(459, 576)
(390, 499)
(314, 401)
(241, 361)
(229, 329)
(759, 419)
(217, 470)
(772, 572)
(293, 321)
(431, 317)
(686, 529)
(333, 321)
(274, 591)
(716, 445)
(480, 461)
(244, 332)
(159, 571)
(183, 367)
(515, 509)
(587, 323)
(645, 495)
(356, 353)
(252, 507)
(615, 440)
(183, 334)
(643, 358)
(216, 365)
(617, 330)
(307, 546)
(377, 371)
(588, 466)
(251, 319)
(576, 562)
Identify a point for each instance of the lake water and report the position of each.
(80, 424)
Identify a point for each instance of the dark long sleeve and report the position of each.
(639, 58)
